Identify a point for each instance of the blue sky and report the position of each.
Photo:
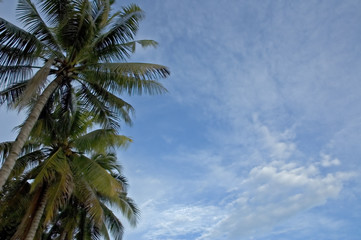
(259, 136)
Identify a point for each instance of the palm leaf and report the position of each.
(4, 150)
(10, 56)
(85, 194)
(111, 101)
(115, 225)
(19, 72)
(56, 11)
(132, 78)
(100, 141)
(127, 206)
(77, 29)
(29, 160)
(144, 43)
(97, 177)
(28, 14)
(102, 113)
(58, 195)
(36, 83)
(12, 94)
(48, 170)
(14, 37)
(123, 30)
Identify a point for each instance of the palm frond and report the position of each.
(128, 208)
(56, 11)
(28, 14)
(12, 94)
(4, 150)
(104, 232)
(100, 13)
(100, 141)
(28, 160)
(123, 30)
(77, 30)
(36, 83)
(113, 102)
(102, 113)
(132, 78)
(113, 223)
(47, 171)
(14, 200)
(137, 70)
(19, 72)
(86, 195)
(58, 195)
(107, 161)
(131, 46)
(97, 177)
(12, 57)
(15, 37)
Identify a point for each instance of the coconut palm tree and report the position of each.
(65, 182)
(79, 50)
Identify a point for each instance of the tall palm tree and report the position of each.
(78, 44)
(64, 192)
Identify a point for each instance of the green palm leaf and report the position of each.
(48, 171)
(58, 194)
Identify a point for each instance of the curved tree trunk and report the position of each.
(37, 217)
(25, 131)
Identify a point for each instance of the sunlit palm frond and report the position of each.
(107, 161)
(97, 177)
(100, 141)
(49, 169)
(58, 194)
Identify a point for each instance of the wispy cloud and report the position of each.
(252, 201)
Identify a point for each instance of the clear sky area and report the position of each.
(259, 136)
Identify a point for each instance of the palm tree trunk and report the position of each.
(37, 217)
(25, 131)
(63, 235)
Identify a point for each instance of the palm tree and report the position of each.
(67, 193)
(83, 47)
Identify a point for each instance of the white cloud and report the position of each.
(182, 220)
(327, 161)
(273, 193)
(279, 145)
